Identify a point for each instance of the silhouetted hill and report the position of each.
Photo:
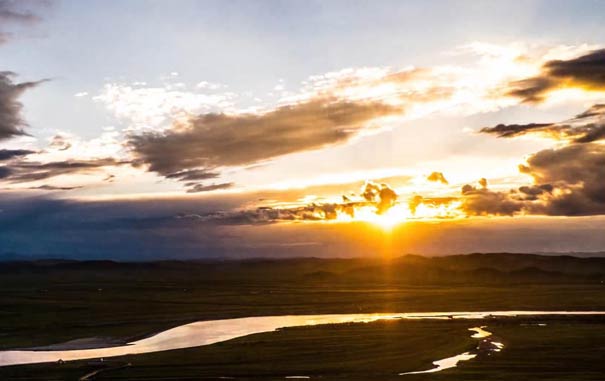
(471, 269)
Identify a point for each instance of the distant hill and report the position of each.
(470, 269)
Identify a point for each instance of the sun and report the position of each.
(400, 213)
(387, 220)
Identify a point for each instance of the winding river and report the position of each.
(215, 331)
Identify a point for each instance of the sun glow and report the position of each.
(396, 215)
(399, 214)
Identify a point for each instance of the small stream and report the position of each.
(452, 362)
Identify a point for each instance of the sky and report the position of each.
(140, 130)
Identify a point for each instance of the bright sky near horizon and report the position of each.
(208, 123)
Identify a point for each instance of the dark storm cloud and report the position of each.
(587, 71)
(586, 127)
(437, 177)
(11, 122)
(8, 154)
(19, 13)
(212, 141)
(24, 171)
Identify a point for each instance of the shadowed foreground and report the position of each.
(52, 302)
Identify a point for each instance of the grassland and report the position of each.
(563, 349)
(54, 301)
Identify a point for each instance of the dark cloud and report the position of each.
(196, 188)
(597, 110)
(513, 130)
(193, 175)
(11, 122)
(24, 171)
(481, 201)
(211, 141)
(568, 181)
(8, 154)
(586, 127)
(437, 177)
(53, 188)
(532, 192)
(19, 13)
(576, 172)
(587, 71)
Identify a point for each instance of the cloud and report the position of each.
(157, 107)
(47, 187)
(8, 154)
(513, 130)
(568, 180)
(193, 175)
(11, 122)
(20, 13)
(586, 72)
(210, 141)
(482, 201)
(576, 173)
(24, 171)
(381, 195)
(437, 177)
(197, 188)
(586, 127)
(60, 142)
(431, 202)
(377, 198)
